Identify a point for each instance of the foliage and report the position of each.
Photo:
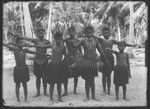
(11, 19)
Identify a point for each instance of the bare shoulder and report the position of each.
(126, 53)
(99, 39)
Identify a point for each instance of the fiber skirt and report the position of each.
(87, 68)
(40, 70)
(121, 75)
(21, 74)
(107, 71)
(56, 73)
(70, 70)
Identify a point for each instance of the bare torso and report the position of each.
(106, 43)
(89, 46)
(20, 58)
(122, 59)
(72, 50)
(40, 49)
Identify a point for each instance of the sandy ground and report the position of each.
(136, 89)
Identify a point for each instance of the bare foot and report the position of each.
(38, 94)
(65, 94)
(87, 99)
(75, 92)
(60, 100)
(117, 98)
(52, 102)
(26, 101)
(95, 99)
(46, 94)
(104, 93)
(108, 92)
(18, 100)
(126, 99)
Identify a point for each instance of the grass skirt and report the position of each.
(87, 68)
(21, 74)
(56, 73)
(107, 71)
(40, 70)
(121, 75)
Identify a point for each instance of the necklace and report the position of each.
(90, 43)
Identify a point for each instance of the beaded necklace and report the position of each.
(90, 42)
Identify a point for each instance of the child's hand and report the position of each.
(108, 49)
(129, 75)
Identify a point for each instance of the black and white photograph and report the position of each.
(74, 54)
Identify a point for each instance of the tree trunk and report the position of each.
(111, 3)
(49, 35)
(119, 34)
(21, 19)
(27, 20)
(131, 31)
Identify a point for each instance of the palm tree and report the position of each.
(11, 20)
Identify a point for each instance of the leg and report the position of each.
(75, 84)
(38, 84)
(124, 92)
(51, 90)
(93, 88)
(65, 88)
(59, 92)
(45, 85)
(104, 82)
(117, 92)
(25, 91)
(17, 91)
(87, 89)
(108, 83)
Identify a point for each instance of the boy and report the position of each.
(40, 62)
(88, 64)
(56, 70)
(72, 56)
(122, 69)
(106, 72)
(21, 71)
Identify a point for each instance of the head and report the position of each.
(71, 32)
(106, 32)
(40, 34)
(121, 46)
(89, 30)
(58, 37)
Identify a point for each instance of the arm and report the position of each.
(27, 39)
(100, 40)
(32, 52)
(129, 45)
(98, 46)
(43, 46)
(113, 51)
(78, 44)
(80, 50)
(128, 66)
(115, 42)
(47, 45)
(10, 47)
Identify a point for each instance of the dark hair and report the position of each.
(71, 28)
(104, 28)
(89, 27)
(57, 35)
(40, 30)
(122, 43)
